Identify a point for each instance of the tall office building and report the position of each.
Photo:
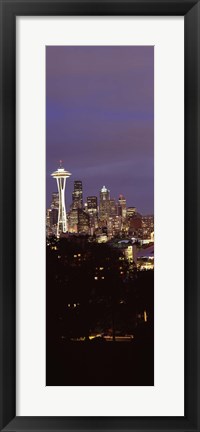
(77, 195)
(73, 221)
(83, 222)
(135, 224)
(48, 222)
(55, 200)
(92, 210)
(131, 211)
(113, 207)
(147, 226)
(104, 204)
(61, 175)
(53, 217)
(92, 205)
(54, 209)
(122, 204)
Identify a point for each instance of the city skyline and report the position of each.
(99, 120)
(69, 199)
(102, 218)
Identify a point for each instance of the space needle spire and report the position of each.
(61, 175)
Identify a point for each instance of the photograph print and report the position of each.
(99, 215)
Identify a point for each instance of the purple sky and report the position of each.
(100, 120)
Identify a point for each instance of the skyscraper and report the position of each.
(113, 207)
(48, 222)
(73, 221)
(61, 175)
(77, 195)
(92, 211)
(54, 209)
(55, 200)
(104, 205)
(83, 222)
(130, 211)
(122, 204)
(92, 205)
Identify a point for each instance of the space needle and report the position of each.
(61, 175)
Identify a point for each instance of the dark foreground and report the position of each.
(100, 364)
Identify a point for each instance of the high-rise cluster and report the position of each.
(103, 218)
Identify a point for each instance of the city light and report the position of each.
(102, 222)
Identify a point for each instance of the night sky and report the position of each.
(100, 120)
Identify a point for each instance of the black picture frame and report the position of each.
(9, 11)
